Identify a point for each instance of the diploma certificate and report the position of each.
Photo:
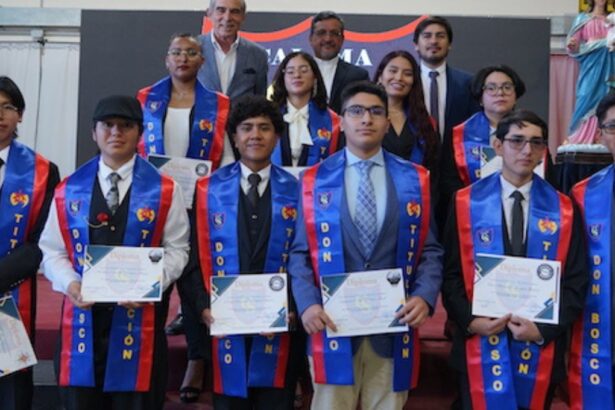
(364, 303)
(490, 163)
(249, 304)
(122, 274)
(526, 287)
(16, 351)
(184, 171)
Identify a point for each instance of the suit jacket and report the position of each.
(250, 70)
(428, 273)
(459, 308)
(345, 73)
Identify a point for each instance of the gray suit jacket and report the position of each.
(250, 70)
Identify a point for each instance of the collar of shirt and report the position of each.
(265, 173)
(508, 189)
(508, 202)
(4, 155)
(377, 158)
(441, 69)
(125, 171)
(327, 63)
(217, 45)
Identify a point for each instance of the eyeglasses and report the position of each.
(492, 89)
(518, 143)
(358, 111)
(8, 107)
(177, 52)
(302, 69)
(332, 33)
(608, 128)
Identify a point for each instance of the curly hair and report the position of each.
(250, 106)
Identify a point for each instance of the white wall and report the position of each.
(537, 8)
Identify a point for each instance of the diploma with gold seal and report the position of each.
(16, 351)
(184, 171)
(364, 303)
(526, 287)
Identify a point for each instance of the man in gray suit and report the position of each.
(233, 65)
(364, 209)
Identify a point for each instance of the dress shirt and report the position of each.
(225, 62)
(298, 132)
(57, 265)
(245, 173)
(4, 155)
(441, 79)
(177, 131)
(327, 70)
(379, 179)
(507, 204)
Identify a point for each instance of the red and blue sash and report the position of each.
(506, 373)
(131, 342)
(468, 138)
(323, 190)
(324, 127)
(590, 371)
(21, 200)
(217, 199)
(210, 113)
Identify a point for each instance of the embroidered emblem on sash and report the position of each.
(144, 214)
(20, 198)
(324, 133)
(324, 200)
(547, 226)
(289, 212)
(413, 209)
(206, 125)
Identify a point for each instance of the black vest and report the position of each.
(253, 228)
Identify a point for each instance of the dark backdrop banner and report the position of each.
(123, 51)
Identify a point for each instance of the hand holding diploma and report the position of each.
(316, 320)
(414, 312)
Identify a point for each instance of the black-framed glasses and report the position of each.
(358, 111)
(302, 69)
(492, 89)
(8, 107)
(332, 33)
(518, 143)
(608, 128)
(178, 52)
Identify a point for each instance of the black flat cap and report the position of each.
(121, 106)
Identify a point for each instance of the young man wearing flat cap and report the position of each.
(113, 355)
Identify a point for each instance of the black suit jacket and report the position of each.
(345, 73)
(459, 308)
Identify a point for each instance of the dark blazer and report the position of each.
(459, 308)
(345, 73)
(250, 70)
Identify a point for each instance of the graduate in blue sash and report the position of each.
(512, 362)
(244, 223)
(27, 181)
(592, 361)
(364, 209)
(113, 355)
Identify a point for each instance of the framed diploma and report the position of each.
(526, 287)
(184, 171)
(122, 274)
(249, 304)
(490, 163)
(16, 351)
(364, 303)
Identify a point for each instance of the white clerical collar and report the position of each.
(326, 63)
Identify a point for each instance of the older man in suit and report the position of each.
(366, 209)
(326, 39)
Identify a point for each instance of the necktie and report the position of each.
(434, 103)
(254, 179)
(113, 196)
(365, 211)
(517, 224)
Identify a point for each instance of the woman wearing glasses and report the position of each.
(312, 132)
(411, 134)
(497, 89)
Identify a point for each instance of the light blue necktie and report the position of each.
(365, 211)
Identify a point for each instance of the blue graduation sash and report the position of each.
(323, 190)
(590, 372)
(324, 127)
(21, 200)
(506, 373)
(468, 138)
(210, 112)
(131, 342)
(217, 199)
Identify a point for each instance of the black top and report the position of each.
(402, 144)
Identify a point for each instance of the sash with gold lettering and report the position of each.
(468, 138)
(217, 198)
(590, 368)
(210, 112)
(21, 200)
(506, 373)
(323, 190)
(131, 342)
(324, 127)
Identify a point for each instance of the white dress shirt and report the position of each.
(507, 204)
(177, 132)
(327, 70)
(265, 174)
(57, 265)
(226, 62)
(298, 132)
(379, 180)
(441, 80)
(4, 155)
